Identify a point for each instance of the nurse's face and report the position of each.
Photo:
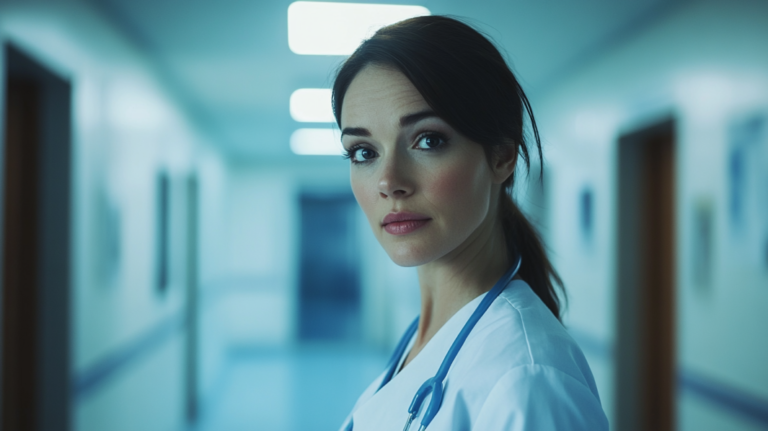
(425, 189)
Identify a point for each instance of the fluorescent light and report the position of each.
(319, 142)
(323, 28)
(312, 105)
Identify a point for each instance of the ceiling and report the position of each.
(229, 63)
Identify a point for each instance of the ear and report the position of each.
(504, 163)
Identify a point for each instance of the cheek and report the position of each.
(460, 191)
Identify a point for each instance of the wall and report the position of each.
(252, 304)
(257, 302)
(127, 334)
(705, 64)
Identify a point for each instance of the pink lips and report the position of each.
(402, 223)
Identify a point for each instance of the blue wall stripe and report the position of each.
(726, 397)
(86, 382)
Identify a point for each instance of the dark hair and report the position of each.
(465, 80)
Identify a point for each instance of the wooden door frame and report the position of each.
(48, 266)
(646, 294)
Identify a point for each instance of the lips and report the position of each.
(402, 223)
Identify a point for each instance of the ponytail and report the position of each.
(524, 240)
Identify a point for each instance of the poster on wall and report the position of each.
(162, 243)
(748, 189)
(703, 237)
(586, 215)
(106, 234)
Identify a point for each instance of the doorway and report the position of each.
(329, 304)
(35, 247)
(645, 347)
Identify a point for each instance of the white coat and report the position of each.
(518, 370)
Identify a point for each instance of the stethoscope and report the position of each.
(434, 385)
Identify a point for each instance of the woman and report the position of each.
(432, 122)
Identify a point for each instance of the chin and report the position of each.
(408, 256)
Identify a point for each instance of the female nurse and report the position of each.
(432, 121)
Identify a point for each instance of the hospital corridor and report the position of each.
(182, 249)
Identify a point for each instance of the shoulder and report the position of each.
(521, 370)
(523, 331)
(534, 397)
(519, 334)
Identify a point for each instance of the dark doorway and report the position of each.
(645, 348)
(330, 279)
(36, 247)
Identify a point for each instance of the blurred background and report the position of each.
(181, 250)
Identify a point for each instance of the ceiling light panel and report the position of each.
(324, 28)
(318, 142)
(312, 105)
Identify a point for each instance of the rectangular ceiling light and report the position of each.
(318, 142)
(312, 105)
(324, 28)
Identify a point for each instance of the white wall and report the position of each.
(256, 302)
(706, 64)
(126, 129)
(258, 299)
(212, 266)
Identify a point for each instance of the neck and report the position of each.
(449, 283)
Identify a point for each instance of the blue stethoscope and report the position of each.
(435, 384)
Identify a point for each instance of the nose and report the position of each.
(394, 181)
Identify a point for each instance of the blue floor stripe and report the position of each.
(86, 382)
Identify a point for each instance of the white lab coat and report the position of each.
(518, 370)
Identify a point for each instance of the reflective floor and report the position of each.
(308, 388)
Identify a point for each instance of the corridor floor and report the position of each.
(308, 388)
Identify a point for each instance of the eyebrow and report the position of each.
(405, 120)
(411, 119)
(355, 131)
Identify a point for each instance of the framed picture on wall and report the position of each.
(107, 236)
(747, 176)
(162, 241)
(702, 247)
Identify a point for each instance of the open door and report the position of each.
(645, 347)
(329, 286)
(35, 247)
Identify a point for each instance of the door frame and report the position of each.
(47, 381)
(645, 350)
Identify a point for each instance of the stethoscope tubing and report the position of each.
(434, 385)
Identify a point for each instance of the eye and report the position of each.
(360, 154)
(429, 141)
